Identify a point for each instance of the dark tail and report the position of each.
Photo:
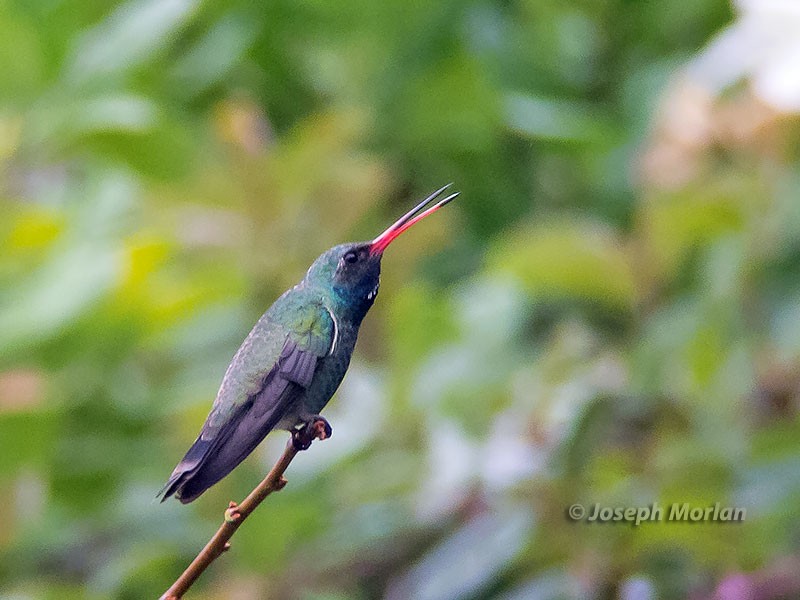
(208, 461)
(186, 471)
(202, 467)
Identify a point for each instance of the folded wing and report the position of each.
(241, 418)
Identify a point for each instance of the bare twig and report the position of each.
(235, 514)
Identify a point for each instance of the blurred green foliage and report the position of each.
(609, 312)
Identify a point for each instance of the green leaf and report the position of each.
(131, 35)
(582, 260)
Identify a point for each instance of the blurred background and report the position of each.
(609, 313)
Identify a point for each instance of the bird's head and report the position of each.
(352, 271)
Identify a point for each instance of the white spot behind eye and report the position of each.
(373, 293)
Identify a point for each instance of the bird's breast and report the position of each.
(331, 369)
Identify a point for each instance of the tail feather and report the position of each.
(189, 464)
(208, 461)
(174, 483)
(215, 453)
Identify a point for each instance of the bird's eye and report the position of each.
(351, 257)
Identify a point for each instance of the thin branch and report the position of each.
(235, 514)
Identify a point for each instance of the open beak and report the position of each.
(380, 243)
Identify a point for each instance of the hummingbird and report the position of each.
(292, 361)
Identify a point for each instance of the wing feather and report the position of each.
(227, 439)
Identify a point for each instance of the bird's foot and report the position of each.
(317, 428)
(322, 429)
(232, 513)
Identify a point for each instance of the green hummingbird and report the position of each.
(292, 361)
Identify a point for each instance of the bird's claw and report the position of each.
(322, 429)
(316, 429)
